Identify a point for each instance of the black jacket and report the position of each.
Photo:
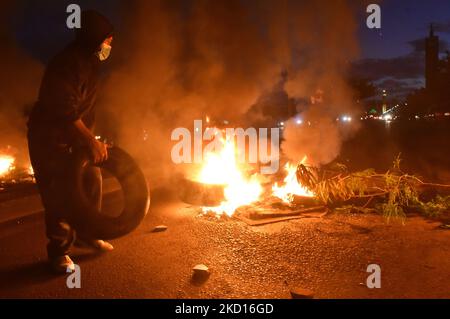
(69, 86)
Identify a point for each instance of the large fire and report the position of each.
(222, 168)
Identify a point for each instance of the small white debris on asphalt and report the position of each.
(201, 270)
(159, 229)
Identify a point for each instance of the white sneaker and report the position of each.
(95, 243)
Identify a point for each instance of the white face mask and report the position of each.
(105, 51)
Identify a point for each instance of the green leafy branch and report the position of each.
(392, 193)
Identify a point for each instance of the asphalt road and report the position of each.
(328, 255)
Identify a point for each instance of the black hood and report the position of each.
(95, 28)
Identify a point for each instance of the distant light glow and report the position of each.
(346, 118)
(387, 117)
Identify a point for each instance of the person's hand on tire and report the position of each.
(98, 150)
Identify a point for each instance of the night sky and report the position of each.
(392, 56)
(403, 22)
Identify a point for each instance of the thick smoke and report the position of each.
(179, 60)
(183, 60)
(327, 45)
(19, 82)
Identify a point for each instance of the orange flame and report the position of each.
(221, 168)
(6, 164)
(291, 185)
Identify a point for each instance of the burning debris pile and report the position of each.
(232, 190)
(308, 191)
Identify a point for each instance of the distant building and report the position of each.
(436, 96)
(431, 61)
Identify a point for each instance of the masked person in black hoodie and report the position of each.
(63, 119)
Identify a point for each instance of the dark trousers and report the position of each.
(51, 164)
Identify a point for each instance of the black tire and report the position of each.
(199, 194)
(86, 219)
